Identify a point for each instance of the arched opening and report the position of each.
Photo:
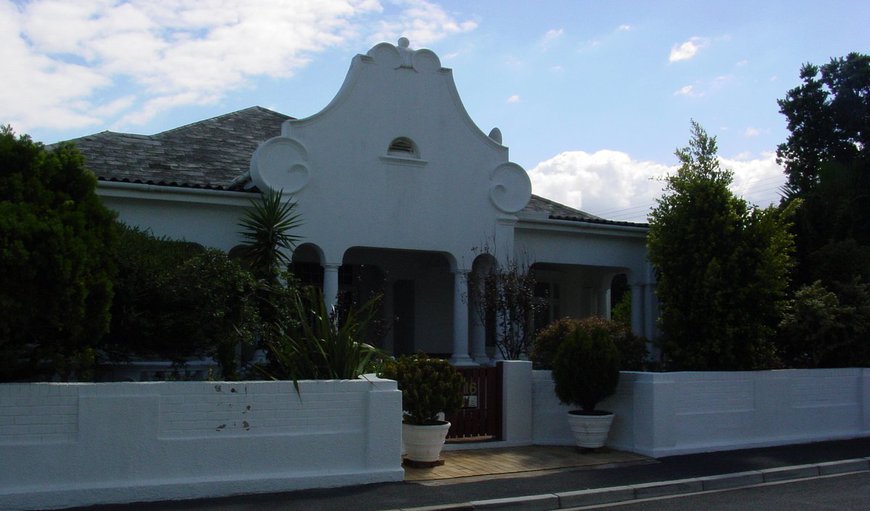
(403, 147)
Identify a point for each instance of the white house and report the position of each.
(399, 191)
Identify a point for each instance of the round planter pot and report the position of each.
(423, 443)
(590, 430)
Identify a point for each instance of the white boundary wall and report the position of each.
(665, 414)
(65, 445)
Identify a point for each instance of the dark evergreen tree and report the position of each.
(722, 266)
(56, 266)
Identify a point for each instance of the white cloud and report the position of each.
(606, 183)
(757, 180)
(685, 90)
(549, 38)
(688, 49)
(515, 98)
(613, 185)
(752, 132)
(86, 62)
(421, 21)
(703, 88)
(624, 28)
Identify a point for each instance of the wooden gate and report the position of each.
(479, 419)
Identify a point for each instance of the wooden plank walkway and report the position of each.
(512, 461)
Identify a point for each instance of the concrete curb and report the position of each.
(598, 496)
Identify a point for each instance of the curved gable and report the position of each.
(394, 161)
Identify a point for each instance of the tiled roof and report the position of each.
(215, 152)
(539, 204)
(556, 211)
(205, 154)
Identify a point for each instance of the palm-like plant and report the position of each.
(266, 231)
(319, 346)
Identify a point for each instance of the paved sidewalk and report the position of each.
(552, 488)
(463, 466)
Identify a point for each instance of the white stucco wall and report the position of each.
(64, 445)
(206, 217)
(447, 198)
(665, 414)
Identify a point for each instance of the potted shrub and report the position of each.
(430, 387)
(586, 370)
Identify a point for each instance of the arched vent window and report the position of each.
(403, 146)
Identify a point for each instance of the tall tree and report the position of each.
(722, 266)
(829, 120)
(827, 161)
(56, 268)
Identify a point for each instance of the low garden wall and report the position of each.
(664, 414)
(65, 445)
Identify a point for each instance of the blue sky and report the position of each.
(592, 97)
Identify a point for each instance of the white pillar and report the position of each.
(330, 284)
(604, 303)
(604, 296)
(460, 321)
(477, 330)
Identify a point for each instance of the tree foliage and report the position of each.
(829, 120)
(722, 266)
(175, 300)
(822, 328)
(56, 269)
(827, 162)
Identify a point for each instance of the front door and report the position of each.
(403, 317)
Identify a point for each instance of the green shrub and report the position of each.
(824, 328)
(314, 345)
(547, 342)
(429, 386)
(586, 367)
(56, 269)
(632, 348)
(175, 300)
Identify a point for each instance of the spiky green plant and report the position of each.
(319, 347)
(266, 233)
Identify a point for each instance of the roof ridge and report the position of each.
(579, 212)
(219, 117)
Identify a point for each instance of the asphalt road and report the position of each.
(843, 492)
(377, 497)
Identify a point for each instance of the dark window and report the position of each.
(403, 146)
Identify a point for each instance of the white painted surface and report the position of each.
(429, 211)
(353, 192)
(65, 445)
(665, 414)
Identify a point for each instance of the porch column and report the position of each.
(460, 321)
(477, 332)
(604, 297)
(330, 284)
(637, 309)
(604, 303)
